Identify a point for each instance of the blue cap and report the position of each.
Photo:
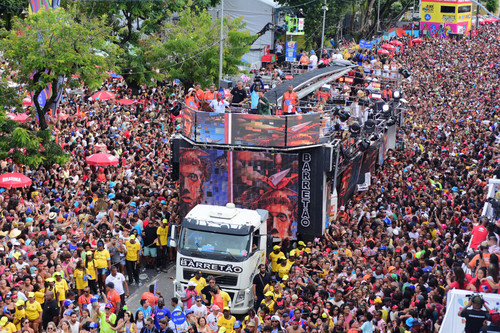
(409, 322)
(68, 312)
(108, 306)
(312, 51)
(188, 311)
(237, 324)
(163, 202)
(112, 184)
(93, 325)
(383, 247)
(93, 298)
(76, 203)
(29, 211)
(66, 215)
(29, 219)
(427, 269)
(454, 189)
(111, 196)
(67, 302)
(133, 204)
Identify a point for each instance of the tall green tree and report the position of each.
(9, 9)
(58, 43)
(188, 49)
(131, 21)
(492, 6)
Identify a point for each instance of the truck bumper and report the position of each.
(241, 300)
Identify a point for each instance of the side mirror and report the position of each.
(171, 241)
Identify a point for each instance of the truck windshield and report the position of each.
(207, 244)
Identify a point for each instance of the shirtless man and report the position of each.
(295, 328)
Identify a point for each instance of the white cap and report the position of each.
(192, 284)
(275, 318)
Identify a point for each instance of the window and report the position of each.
(464, 9)
(448, 9)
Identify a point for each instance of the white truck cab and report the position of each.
(228, 243)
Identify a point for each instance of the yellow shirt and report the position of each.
(274, 260)
(91, 270)
(80, 282)
(20, 314)
(162, 235)
(269, 304)
(101, 258)
(62, 287)
(227, 323)
(9, 328)
(225, 298)
(200, 284)
(132, 250)
(283, 270)
(40, 296)
(33, 309)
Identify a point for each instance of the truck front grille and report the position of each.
(225, 280)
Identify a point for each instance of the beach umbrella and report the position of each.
(103, 95)
(102, 159)
(14, 179)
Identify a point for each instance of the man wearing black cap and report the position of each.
(475, 317)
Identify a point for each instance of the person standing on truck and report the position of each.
(273, 258)
(188, 295)
(226, 321)
(259, 283)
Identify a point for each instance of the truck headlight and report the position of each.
(240, 298)
(178, 287)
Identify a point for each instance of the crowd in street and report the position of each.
(74, 242)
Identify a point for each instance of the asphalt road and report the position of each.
(164, 284)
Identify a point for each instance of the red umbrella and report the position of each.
(19, 117)
(417, 40)
(103, 95)
(63, 116)
(27, 101)
(125, 101)
(382, 51)
(396, 42)
(102, 159)
(388, 47)
(8, 180)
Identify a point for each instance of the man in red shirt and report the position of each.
(290, 101)
(150, 296)
(84, 299)
(479, 233)
(113, 297)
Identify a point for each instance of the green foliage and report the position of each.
(492, 6)
(189, 49)
(9, 9)
(21, 144)
(58, 42)
(396, 7)
(131, 20)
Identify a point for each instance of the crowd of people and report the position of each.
(74, 242)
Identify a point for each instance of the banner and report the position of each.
(457, 300)
(369, 161)
(391, 138)
(348, 180)
(362, 43)
(249, 179)
(291, 51)
(311, 191)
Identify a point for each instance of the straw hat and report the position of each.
(14, 233)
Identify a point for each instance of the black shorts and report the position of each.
(303, 66)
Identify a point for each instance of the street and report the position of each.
(164, 285)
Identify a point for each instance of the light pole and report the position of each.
(413, 18)
(325, 8)
(221, 41)
(378, 17)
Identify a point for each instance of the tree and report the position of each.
(55, 43)
(9, 9)
(130, 21)
(18, 142)
(189, 49)
(492, 6)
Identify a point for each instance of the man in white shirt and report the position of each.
(199, 309)
(313, 61)
(219, 105)
(118, 280)
(213, 318)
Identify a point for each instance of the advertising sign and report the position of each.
(291, 51)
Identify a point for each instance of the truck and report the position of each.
(225, 242)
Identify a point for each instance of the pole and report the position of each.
(378, 17)
(477, 17)
(323, 31)
(221, 50)
(413, 18)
